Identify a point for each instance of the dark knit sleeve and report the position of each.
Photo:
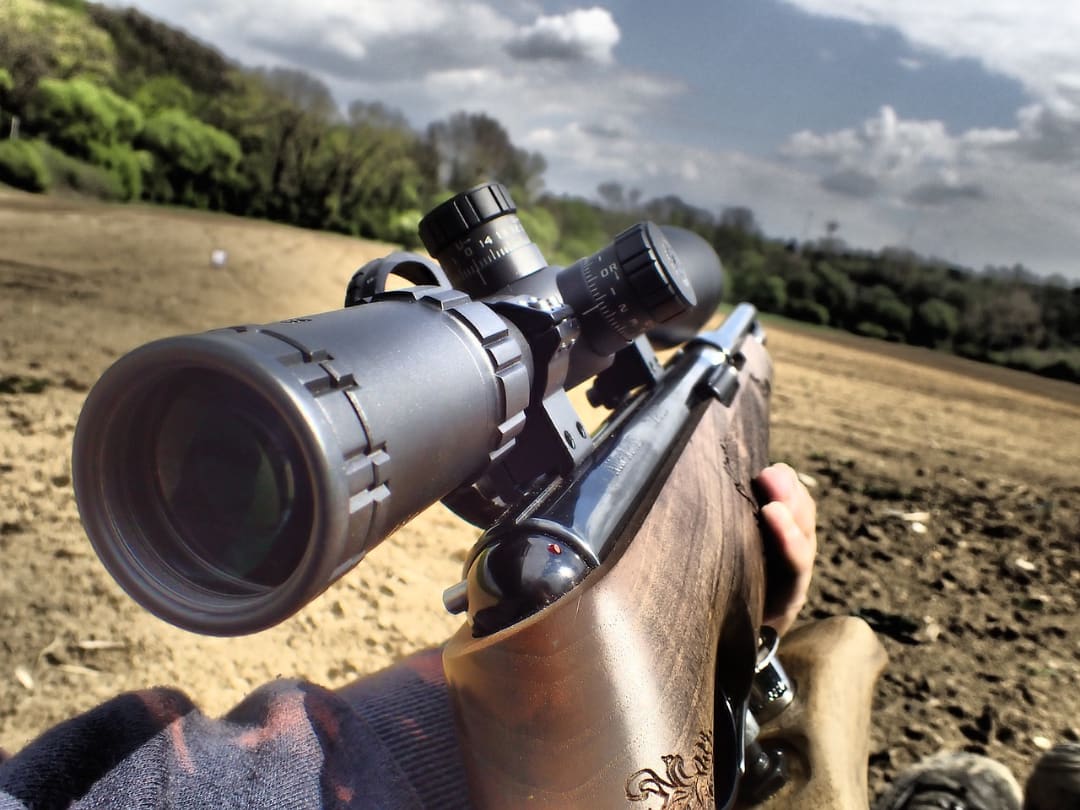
(288, 745)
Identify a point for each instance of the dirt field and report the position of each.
(976, 601)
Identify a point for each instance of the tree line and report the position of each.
(115, 104)
(1003, 315)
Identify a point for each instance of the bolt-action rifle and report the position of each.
(613, 652)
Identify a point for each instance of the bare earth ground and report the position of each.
(978, 612)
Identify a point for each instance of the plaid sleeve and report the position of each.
(288, 745)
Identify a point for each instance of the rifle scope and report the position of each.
(227, 478)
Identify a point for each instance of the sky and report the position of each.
(948, 126)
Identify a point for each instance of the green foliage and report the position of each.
(580, 228)
(195, 163)
(164, 93)
(835, 292)
(935, 323)
(39, 39)
(1001, 318)
(872, 330)
(1062, 364)
(145, 48)
(361, 178)
(21, 165)
(767, 293)
(7, 84)
(804, 309)
(128, 165)
(880, 305)
(75, 114)
(78, 175)
(540, 224)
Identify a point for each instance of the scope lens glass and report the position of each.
(227, 484)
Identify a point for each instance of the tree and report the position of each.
(196, 163)
(378, 115)
(473, 148)
(934, 323)
(879, 305)
(278, 117)
(581, 228)
(371, 182)
(146, 48)
(1004, 318)
(673, 210)
(836, 292)
(92, 123)
(612, 195)
(767, 293)
(164, 93)
(740, 218)
(74, 114)
(40, 39)
(21, 166)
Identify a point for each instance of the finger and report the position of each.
(780, 482)
(795, 545)
(777, 482)
(790, 580)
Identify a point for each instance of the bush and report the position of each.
(401, 228)
(802, 309)
(196, 161)
(935, 323)
(127, 164)
(767, 293)
(879, 305)
(22, 166)
(872, 330)
(76, 113)
(78, 175)
(1063, 364)
(542, 229)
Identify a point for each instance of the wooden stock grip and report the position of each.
(605, 698)
(835, 664)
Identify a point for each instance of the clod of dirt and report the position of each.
(18, 384)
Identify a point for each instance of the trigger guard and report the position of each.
(727, 753)
(370, 280)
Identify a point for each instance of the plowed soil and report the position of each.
(975, 598)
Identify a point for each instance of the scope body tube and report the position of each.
(227, 478)
(548, 545)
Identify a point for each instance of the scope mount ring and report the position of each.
(370, 280)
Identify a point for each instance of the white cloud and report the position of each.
(1033, 41)
(368, 38)
(883, 146)
(579, 35)
(979, 196)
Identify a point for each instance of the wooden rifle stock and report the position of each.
(609, 697)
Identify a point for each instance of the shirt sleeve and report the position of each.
(290, 744)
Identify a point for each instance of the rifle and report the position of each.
(613, 651)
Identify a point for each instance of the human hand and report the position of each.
(788, 518)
